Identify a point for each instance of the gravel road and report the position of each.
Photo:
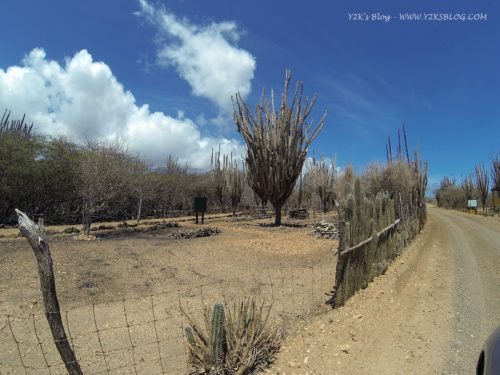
(429, 314)
(474, 242)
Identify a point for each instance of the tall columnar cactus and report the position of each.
(217, 335)
(217, 173)
(347, 188)
(359, 196)
(386, 205)
(369, 212)
(371, 226)
(350, 216)
(235, 176)
(378, 211)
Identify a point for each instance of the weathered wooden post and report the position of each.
(337, 298)
(38, 241)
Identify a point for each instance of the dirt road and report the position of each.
(429, 314)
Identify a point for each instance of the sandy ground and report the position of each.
(129, 289)
(429, 314)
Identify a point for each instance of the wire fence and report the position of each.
(145, 335)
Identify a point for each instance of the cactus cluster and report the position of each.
(366, 215)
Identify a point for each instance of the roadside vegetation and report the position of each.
(482, 185)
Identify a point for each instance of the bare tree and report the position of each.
(447, 184)
(468, 187)
(323, 176)
(277, 142)
(140, 183)
(482, 184)
(102, 169)
(495, 171)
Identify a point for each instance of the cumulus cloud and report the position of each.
(83, 99)
(205, 56)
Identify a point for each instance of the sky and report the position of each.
(159, 75)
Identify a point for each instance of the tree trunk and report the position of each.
(36, 237)
(277, 220)
(87, 220)
(139, 208)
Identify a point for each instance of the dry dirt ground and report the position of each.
(153, 274)
(429, 314)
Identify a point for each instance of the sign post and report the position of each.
(472, 205)
(200, 205)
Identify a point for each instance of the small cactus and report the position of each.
(217, 337)
(189, 335)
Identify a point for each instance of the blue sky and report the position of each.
(159, 74)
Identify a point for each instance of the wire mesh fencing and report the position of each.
(145, 335)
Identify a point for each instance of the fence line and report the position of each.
(139, 335)
(359, 264)
(368, 240)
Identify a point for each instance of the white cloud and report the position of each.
(83, 99)
(205, 56)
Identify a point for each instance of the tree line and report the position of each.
(69, 183)
(66, 182)
(477, 185)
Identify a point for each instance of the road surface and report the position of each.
(429, 314)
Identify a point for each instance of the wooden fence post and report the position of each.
(38, 241)
(337, 297)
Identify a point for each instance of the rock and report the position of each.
(160, 226)
(193, 233)
(105, 227)
(82, 237)
(325, 229)
(306, 360)
(345, 348)
(71, 230)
